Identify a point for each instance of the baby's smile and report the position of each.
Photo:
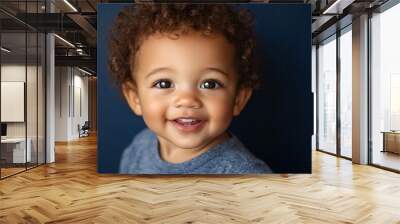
(188, 124)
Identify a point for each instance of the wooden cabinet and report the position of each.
(391, 141)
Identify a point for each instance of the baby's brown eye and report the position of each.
(163, 84)
(210, 84)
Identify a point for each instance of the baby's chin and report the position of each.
(197, 142)
(191, 144)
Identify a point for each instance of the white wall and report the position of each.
(71, 102)
(80, 110)
(61, 103)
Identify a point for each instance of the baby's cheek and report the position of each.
(221, 112)
(154, 114)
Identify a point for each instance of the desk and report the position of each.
(391, 141)
(16, 147)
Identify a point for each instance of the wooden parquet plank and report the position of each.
(70, 191)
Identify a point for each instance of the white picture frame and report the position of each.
(12, 101)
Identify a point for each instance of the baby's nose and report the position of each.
(187, 99)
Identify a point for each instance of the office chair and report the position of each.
(84, 130)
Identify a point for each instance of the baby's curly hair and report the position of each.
(138, 22)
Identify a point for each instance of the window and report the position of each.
(327, 95)
(385, 87)
(346, 93)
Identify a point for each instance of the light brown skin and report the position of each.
(187, 63)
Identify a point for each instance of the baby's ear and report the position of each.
(242, 97)
(131, 95)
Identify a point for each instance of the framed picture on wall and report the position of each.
(204, 88)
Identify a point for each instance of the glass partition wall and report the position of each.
(385, 89)
(334, 91)
(22, 77)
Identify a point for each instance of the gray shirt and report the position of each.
(229, 157)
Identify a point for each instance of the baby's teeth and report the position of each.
(186, 120)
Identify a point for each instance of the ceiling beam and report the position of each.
(83, 61)
(85, 25)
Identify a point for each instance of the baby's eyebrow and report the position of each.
(156, 70)
(167, 69)
(217, 70)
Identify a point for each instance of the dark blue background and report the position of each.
(276, 125)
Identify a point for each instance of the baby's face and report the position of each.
(186, 88)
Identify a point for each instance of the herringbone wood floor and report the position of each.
(70, 191)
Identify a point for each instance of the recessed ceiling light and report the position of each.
(70, 5)
(5, 50)
(64, 40)
(337, 7)
(84, 71)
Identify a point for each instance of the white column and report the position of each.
(50, 93)
(360, 90)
